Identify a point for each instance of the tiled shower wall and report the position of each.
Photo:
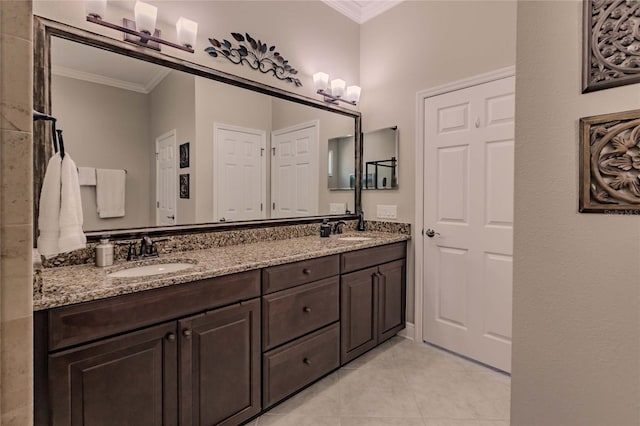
(16, 139)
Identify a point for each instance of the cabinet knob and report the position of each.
(307, 361)
(171, 337)
(186, 333)
(306, 309)
(306, 271)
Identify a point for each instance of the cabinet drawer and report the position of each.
(291, 313)
(293, 366)
(366, 258)
(70, 325)
(292, 274)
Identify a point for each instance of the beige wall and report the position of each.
(576, 321)
(106, 128)
(16, 290)
(415, 46)
(172, 106)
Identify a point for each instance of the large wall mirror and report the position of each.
(380, 158)
(196, 146)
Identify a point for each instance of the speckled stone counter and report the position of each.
(81, 283)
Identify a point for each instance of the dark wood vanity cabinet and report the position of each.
(217, 351)
(129, 379)
(219, 369)
(202, 369)
(300, 325)
(373, 299)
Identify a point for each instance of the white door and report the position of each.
(468, 203)
(239, 181)
(294, 171)
(166, 181)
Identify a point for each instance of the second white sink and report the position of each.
(156, 269)
(354, 238)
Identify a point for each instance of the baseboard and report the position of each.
(408, 332)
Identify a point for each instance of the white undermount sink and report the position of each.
(354, 238)
(156, 269)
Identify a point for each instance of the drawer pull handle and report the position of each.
(307, 361)
(171, 337)
(306, 271)
(186, 333)
(306, 309)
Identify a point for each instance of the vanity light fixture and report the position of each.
(140, 31)
(335, 91)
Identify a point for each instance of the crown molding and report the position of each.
(361, 12)
(113, 82)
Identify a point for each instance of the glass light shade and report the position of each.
(337, 87)
(187, 32)
(145, 17)
(96, 7)
(353, 93)
(321, 81)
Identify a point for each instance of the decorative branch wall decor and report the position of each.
(610, 163)
(611, 44)
(256, 54)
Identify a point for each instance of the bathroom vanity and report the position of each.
(245, 328)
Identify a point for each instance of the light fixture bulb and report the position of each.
(145, 17)
(321, 81)
(353, 93)
(96, 8)
(337, 87)
(187, 32)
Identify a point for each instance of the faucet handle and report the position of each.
(131, 251)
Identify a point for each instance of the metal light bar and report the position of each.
(146, 40)
(329, 98)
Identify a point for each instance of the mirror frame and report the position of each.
(45, 28)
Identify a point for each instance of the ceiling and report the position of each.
(361, 10)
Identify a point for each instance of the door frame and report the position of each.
(173, 133)
(216, 170)
(418, 229)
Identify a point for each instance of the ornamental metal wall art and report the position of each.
(611, 44)
(256, 54)
(610, 163)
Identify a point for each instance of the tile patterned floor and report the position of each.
(400, 383)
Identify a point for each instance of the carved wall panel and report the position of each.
(610, 163)
(611, 44)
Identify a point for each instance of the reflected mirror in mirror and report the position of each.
(380, 156)
(249, 156)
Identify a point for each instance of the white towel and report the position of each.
(87, 176)
(49, 213)
(71, 235)
(110, 185)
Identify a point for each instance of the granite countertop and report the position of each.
(82, 283)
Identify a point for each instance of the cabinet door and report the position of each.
(391, 299)
(220, 365)
(359, 313)
(125, 380)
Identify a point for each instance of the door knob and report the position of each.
(186, 333)
(171, 217)
(431, 233)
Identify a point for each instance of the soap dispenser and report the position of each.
(325, 228)
(104, 253)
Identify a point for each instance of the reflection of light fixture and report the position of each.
(336, 91)
(143, 31)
